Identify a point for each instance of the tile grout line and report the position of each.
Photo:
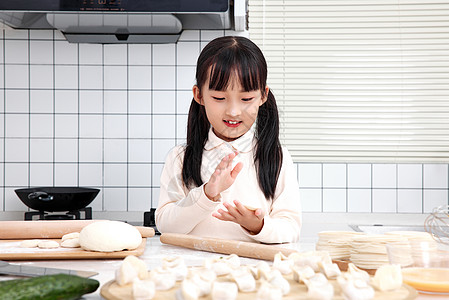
(151, 118)
(54, 107)
(4, 122)
(127, 128)
(78, 117)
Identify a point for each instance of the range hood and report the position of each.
(124, 21)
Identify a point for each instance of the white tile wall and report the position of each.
(372, 188)
(106, 115)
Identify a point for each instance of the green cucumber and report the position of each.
(48, 287)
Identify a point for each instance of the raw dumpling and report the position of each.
(139, 265)
(125, 274)
(320, 292)
(188, 291)
(317, 279)
(130, 269)
(311, 259)
(282, 263)
(223, 266)
(388, 278)
(245, 281)
(163, 279)
(224, 291)
(177, 265)
(279, 281)
(203, 279)
(233, 260)
(319, 288)
(300, 274)
(268, 292)
(331, 270)
(143, 289)
(355, 289)
(357, 273)
(261, 270)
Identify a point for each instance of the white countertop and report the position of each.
(154, 252)
(152, 256)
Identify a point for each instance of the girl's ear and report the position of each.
(265, 95)
(197, 95)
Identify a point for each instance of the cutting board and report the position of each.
(11, 250)
(112, 291)
(12, 233)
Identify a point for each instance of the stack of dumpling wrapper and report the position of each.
(337, 243)
(370, 251)
(404, 254)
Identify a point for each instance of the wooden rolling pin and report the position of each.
(50, 229)
(244, 249)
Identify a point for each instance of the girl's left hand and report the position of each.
(251, 220)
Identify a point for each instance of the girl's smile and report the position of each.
(232, 123)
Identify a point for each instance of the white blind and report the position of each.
(362, 80)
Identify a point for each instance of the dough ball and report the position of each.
(109, 236)
(71, 243)
(48, 244)
(30, 243)
(69, 236)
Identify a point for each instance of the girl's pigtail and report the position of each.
(268, 154)
(197, 132)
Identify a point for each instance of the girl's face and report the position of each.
(231, 112)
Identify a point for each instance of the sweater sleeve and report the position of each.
(283, 223)
(179, 209)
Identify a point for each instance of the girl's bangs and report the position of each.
(248, 74)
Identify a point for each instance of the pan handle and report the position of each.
(43, 196)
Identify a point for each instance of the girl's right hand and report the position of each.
(223, 177)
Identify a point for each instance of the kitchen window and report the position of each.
(358, 81)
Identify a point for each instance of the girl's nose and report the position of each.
(233, 109)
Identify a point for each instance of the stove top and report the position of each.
(80, 214)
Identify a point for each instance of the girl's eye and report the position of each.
(247, 99)
(218, 98)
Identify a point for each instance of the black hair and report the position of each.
(218, 60)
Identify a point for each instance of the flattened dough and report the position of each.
(48, 244)
(69, 236)
(71, 243)
(30, 243)
(109, 236)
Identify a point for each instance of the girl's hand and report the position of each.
(251, 220)
(223, 177)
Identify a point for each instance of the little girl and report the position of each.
(232, 179)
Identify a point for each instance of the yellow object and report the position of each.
(434, 280)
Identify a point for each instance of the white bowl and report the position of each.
(425, 265)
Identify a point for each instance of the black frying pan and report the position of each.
(57, 198)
